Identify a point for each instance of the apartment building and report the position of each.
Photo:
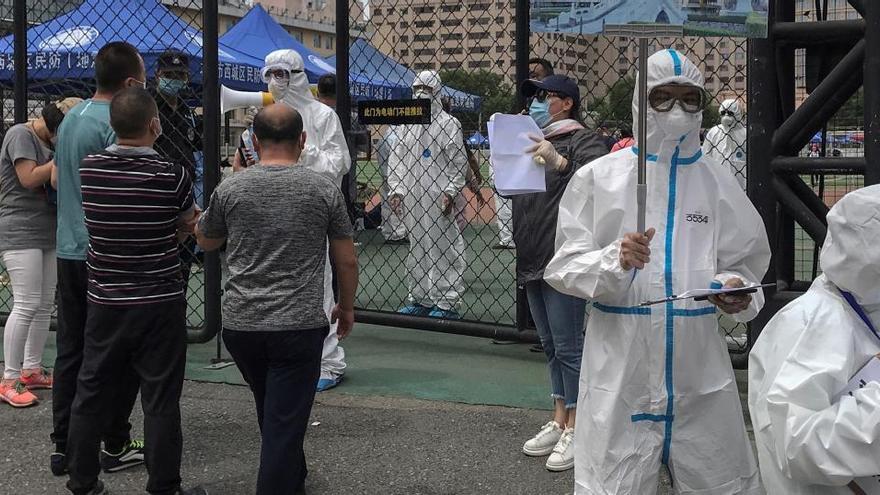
(311, 22)
(480, 35)
(467, 35)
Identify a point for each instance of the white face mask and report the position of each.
(421, 94)
(677, 123)
(278, 87)
(728, 121)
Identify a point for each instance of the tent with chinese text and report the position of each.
(61, 51)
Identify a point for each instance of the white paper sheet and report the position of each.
(515, 171)
(869, 373)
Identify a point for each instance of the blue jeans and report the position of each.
(560, 322)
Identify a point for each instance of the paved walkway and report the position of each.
(419, 413)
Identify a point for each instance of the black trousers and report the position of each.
(282, 369)
(72, 314)
(151, 339)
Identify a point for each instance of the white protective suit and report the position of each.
(809, 443)
(326, 153)
(393, 228)
(726, 142)
(503, 216)
(656, 382)
(427, 161)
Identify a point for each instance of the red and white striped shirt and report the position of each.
(132, 200)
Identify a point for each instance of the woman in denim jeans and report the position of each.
(564, 147)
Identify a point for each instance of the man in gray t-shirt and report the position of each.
(276, 218)
(276, 221)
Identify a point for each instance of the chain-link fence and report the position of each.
(842, 137)
(472, 45)
(425, 246)
(63, 38)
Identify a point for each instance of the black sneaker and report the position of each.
(196, 490)
(58, 463)
(132, 455)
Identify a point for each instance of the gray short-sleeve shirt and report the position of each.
(276, 221)
(27, 219)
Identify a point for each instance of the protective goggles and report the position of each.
(691, 99)
(542, 95)
(726, 112)
(277, 72)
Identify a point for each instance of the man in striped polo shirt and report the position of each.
(136, 204)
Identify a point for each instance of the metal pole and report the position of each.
(343, 99)
(522, 36)
(211, 143)
(522, 48)
(501, 333)
(872, 93)
(19, 29)
(762, 120)
(642, 186)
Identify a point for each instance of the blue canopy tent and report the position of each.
(62, 51)
(368, 63)
(258, 34)
(477, 140)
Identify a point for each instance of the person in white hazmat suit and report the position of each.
(656, 383)
(503, 218)
(326, 153)
(426, 171)
(393, 229)
(726, 142)
(810, 442)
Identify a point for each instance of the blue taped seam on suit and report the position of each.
(691, 160)
(650, 157)
(670, 323)
(656, 418)
(715, 285)
(709, 310)
(676, 61)
(622, 310)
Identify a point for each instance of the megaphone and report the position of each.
(231, 99)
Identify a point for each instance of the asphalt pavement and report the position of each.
(356, 445)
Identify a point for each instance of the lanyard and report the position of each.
(859, 311)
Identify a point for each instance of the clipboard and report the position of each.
(703, 294)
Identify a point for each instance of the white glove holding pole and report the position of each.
(545, 154)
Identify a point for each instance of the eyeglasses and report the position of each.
(543, 94)
(691, 99)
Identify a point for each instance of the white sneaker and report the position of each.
(562, 458)
(544, 442)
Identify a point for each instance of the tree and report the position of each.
(852, 114)
(711, 117)
(615, 108)
(496, 93)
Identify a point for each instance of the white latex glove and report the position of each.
(545, 154)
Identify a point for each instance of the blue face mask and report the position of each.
(539, 111)
(171, 86)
